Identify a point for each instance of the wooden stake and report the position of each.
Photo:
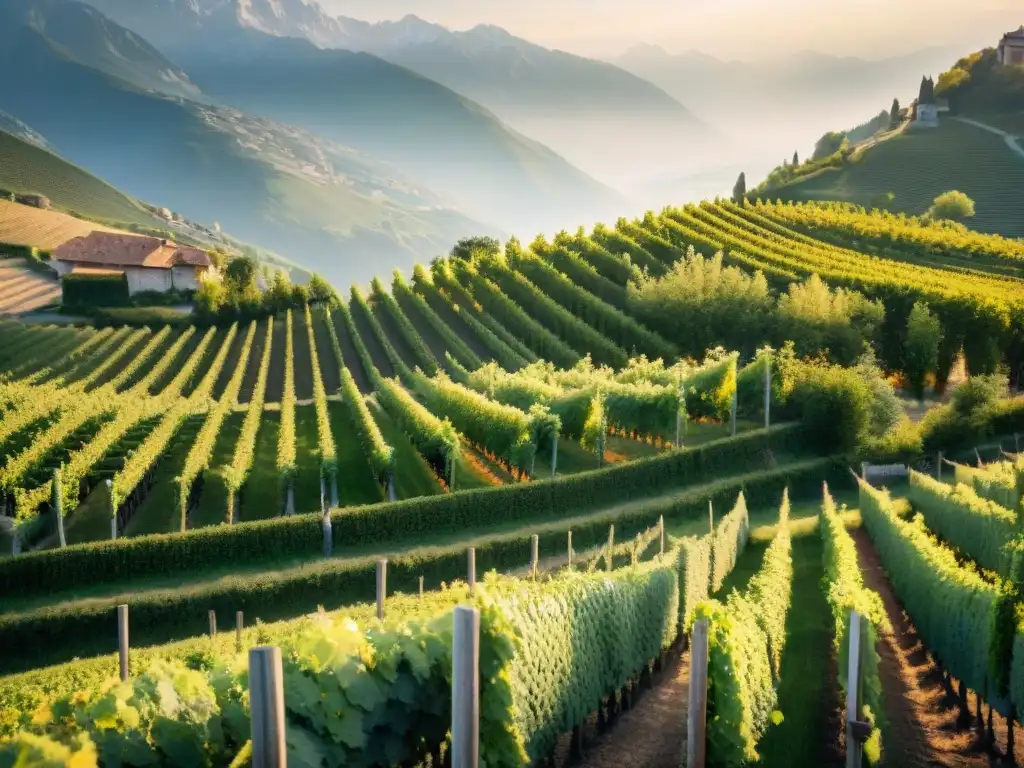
(569, 549)
(122, 640)
(382, 586)
(661, 534)
(212, 617)
(328, 534)
(534, 555)
(471, 568)
(113, 510)
(696, 717)
(239, 625)
(58, 507)
(854, 748)
(421, 587)
(266, 702)
(466, 688)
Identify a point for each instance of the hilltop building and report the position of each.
(1011, 48)
(149, 263)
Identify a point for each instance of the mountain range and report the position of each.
(109, 101)
(613, 125)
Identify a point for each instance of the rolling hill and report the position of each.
(919, 165)
(27, 168)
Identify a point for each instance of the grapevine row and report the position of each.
(405, 295)
(579, 336)
(599, 315)
(325, 439)
(286, 435)
(746, 639)
(504, 353)
(245, 448)
(375, 447)
(513, 317)
(424, 358)
(933, 587)
(198, 458)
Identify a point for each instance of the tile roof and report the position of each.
(1017, 34)
(118, 250)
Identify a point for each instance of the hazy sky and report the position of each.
(742, 29)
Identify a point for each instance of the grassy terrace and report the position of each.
(167, 610)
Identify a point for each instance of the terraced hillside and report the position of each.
(28, 169)
(919, 165)
(43, 229)
(482, 403)
(23, 289)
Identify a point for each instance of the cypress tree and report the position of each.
(894, 113)
(796, 158)
(740, 190)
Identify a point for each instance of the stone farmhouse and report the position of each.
(1011, 48)
(149, 263)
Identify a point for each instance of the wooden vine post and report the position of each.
(58, 506)
(266, 700)
(611, 546)
(382, 587)
(113, 510)
(466, 688)
(569, 549)
(471, 569)
(554, 455)
(122, 641)
(239, 625)
(696, 716)
(857, 732)
(534, 555)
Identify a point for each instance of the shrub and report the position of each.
(83, 290)
(921, 348)
(952, 206)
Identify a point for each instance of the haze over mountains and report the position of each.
(353, 147)
(590, 112)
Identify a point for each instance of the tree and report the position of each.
(882, 202)
(739, 192)
(300, 295)
(829, 144)
(241, 273)
(467, 247)
(796, 159)
(926, 93)
(319, 289)
(952, 206)
(921, 348)
(210, 298)
(279, 294)
(894, 113)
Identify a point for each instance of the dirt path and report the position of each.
(650, 734)
(921, 719)
(1009, 138)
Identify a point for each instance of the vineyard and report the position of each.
(917, 166)
(522, 404)
(23, 289)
